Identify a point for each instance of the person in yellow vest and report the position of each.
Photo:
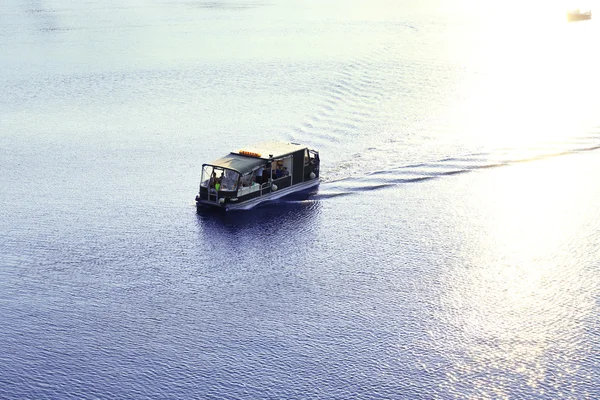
(217, 185)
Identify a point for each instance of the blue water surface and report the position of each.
(451, 251)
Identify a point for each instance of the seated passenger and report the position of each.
(285, 172)
(246, 180)
(278, 172)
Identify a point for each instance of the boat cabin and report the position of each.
(254, 174)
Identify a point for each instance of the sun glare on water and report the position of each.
(515, 301)
(535, 77)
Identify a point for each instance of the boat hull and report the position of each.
(253, 202)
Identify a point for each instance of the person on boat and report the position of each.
(246, 180)
(285, 172)
(278, 172)
(217, 185)
(212, 181)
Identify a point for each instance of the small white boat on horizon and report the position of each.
(578, 15)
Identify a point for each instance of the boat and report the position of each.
(578, 15)
(256, 174)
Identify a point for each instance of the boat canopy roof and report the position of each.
(270, 150)
(251, 157)
(239, 163)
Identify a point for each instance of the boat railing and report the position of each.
(265, 187)
(283, 182)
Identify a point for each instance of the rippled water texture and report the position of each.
(451, 251)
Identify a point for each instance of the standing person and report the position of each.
(224, 182)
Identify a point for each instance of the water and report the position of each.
(450, 252)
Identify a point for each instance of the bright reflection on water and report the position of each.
(536, 75)
(518, 302)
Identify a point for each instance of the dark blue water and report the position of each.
(452, 250)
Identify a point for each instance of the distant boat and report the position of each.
(577, 15)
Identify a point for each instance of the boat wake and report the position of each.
(419, 172)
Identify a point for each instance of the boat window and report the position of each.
(247, 179)
(207, 172)
(281, 167)
(314, 157)
(229, 180)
